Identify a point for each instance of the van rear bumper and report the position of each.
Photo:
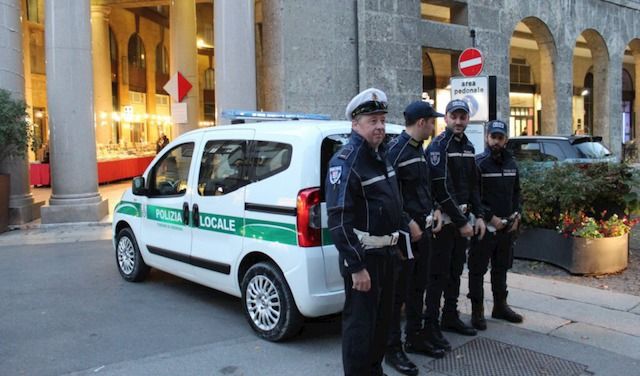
(308, 284)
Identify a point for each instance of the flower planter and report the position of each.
(4, 202)
(576, 255)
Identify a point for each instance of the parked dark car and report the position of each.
(576, 148)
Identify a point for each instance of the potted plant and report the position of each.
(576, 216)
(15, 136)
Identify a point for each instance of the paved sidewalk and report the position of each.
(594, 330)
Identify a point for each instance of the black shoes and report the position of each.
(452, 323)
(502, 311)
(420, 345)
(477, 316)
(397, 359)
(431, 333)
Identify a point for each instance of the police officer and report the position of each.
(407, 157)
(500, 188)
(455, 187)
(365, 215)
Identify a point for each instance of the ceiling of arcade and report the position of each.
(138, 3)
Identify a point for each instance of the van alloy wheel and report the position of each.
(268, 303)
(263, 302)
(126, 255)
(130, 263)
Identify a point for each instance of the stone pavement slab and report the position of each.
(59, 233)
(593, 314)
(570, 291)
(603, 338)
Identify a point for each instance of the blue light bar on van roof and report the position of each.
(262, 115)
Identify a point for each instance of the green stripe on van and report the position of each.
(165, 215)
(277, 232)
(128, 208)
(326, 236)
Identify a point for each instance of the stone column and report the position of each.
(74, 176)
(235, 56)
(102, 98)
(563, 81)
(549, 119)
(184, 58)
(22, 208)
(636, 100)
(612, 131)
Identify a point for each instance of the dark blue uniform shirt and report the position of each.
(454, 175)
(500, 184)
(362, 193)
(407, 158)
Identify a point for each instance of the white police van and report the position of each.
(240, 208)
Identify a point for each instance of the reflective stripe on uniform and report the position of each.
(498, 174)
(411, 161)
(378, 178)
(464, 155)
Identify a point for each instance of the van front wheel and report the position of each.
(268, 303)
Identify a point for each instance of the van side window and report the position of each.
(169, 175)
(223, 168)
(270, 158)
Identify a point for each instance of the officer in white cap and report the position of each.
(365, 216)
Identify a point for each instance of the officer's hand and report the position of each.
(361, 280)
(466, 231)
(497, 223)
(416, 231)
(514, 225)
(480, 228)
(437, 221)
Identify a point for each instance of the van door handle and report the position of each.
(185, 213)
(196, 216)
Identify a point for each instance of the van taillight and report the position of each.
(308, 218)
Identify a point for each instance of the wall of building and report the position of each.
(309, 56)
(392, 30)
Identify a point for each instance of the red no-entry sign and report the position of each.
(470, 62)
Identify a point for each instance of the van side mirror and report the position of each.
(137, 186)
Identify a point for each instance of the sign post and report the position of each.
(480, 94)
(178, 87)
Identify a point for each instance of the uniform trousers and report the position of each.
(410, 288)
(366, 315)
(446, 262)
(497, 247)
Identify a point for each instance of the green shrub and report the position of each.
(550, 192)
(15, 131)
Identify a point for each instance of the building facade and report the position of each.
(93, 71)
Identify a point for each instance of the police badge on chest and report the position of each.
(434, 156)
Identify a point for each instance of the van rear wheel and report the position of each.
(268, 303)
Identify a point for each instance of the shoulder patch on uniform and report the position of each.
(334, 174)
(345, 152)
(434, 157)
